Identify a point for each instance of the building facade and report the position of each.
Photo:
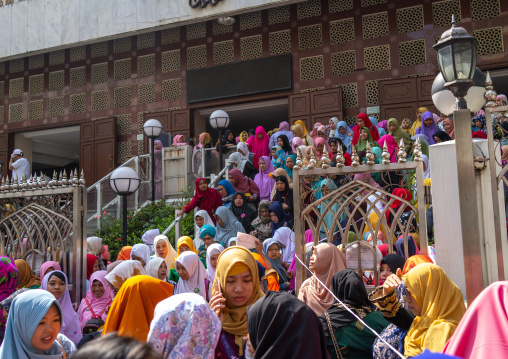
(92, 84)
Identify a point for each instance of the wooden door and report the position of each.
(4, 154)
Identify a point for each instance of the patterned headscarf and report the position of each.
(184, 326)
(9, 277)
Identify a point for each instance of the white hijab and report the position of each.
(142, 251)
(425, 160)
(198, 242)
(94, 245)
(286, 237)
(152, 268)
(215, 248)
(171, 256)
(197, 275)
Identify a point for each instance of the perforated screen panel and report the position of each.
(238, 79)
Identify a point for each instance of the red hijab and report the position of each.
(90, 261)
(243, 184)
(373, 130)
(259, 147)
(208, 199)
(479, 134)
(402, 193)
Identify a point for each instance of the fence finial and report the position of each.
(385, 155)
(82, 178)
(369, 155)
(312, 163)
(325, 160)
(402, 152)
(355, 160)
(340, 160)
(418, 150)
(299, 162)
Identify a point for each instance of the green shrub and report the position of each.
(156, 215)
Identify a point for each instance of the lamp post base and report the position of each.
(124, 221)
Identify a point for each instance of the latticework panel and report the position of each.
(99, 49)
(251, 47)
(196, 31)
(2, 90)
(122, 97)
(250, 20)
(171, 89)
(56, 80)
(412, 53)
(313, 89)
(280, 42)
(145, 41)
(343, 63)
(410, 19)
(1, 115)
(196, 57)
(77, 103)
(367, 3)
(17, 65)
(349, 94)
(279, 15)
(146, 93)
(146, 65)
(310, 37)
(35, 110)
(350, 120)
(311, 68)
(36, 62)
(2, 68)
(56, 106)
(57, 58)
(123, 124)
(171, 61)
(16, 112)
(340, 5)
(442, 12)
(141, 121)
(377, 57)
(422, 74)
(78, 77)
(375, 25)
(310, 8)
(372, 91)
(170, 36)
(220, 29)
(78, 53)
(122, 69)
(36, 84)
(490, 41)
(100, 100)
(100, 73)
(16, 87)
(124, 151)
(223, 52)
(342, 31)
(122, 45)
(481, 9)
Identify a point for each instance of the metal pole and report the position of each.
(220, 150)
(152, 139)
(468, 205)
(124, 222)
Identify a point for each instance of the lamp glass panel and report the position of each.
(445, 61)
(463, 58)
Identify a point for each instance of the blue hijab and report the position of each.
(411, 247)
(231, 226)
(230, 191)
(284, 218)
(27, 310)
(276, 263)
(346, 140)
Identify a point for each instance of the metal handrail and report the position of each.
(213, 183)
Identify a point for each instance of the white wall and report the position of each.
(35, 26)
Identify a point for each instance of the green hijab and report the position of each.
(400, 133)
(362, 144)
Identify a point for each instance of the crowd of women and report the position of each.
(229, 292)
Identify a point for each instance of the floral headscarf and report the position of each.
(9, 277)
(280, 160)
(184, 326)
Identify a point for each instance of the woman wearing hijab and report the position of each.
(436, 306)
(56, 283)
(9, 281)
(389, 265)
(346, 336)
(133, 307)
(207, 236)
(363, 121)
(235, 288)
(290, 164)
(123, 271)
(441, 136)
(227, 225)
(259, 144)
(418, 121)
(295, 143)
(245, 185)
(201, 218)
(299, 130)
(283, 142)
(482, 332)
(184, 326)
(243, 149)
(392, 145)
(158, 269)
(227, 141)
(243, 212)
(263, 224)
(242, 163)
(283, 130)
(284, 194)
(97, 301)
(33, 327)
(204, 197)
(26, 277)
(398, 133)
(286, 238)
(365, 137)
(271, 249)
(179, 140)
(325, 261)
(125, 253)
(321, 144)
(164, 249)
(411, 247)
(227, 191)
(479, 122)
(415, 261)
(406, 126)
(332, 127)
(192, 275)
(428, 127)
(449, 127)
(327, 186)
(212, 254)
(140, 252)
(345, 134)
(263, 180)
(285, 337)
(49, 266)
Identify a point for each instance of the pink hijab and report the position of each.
(321, 140)
(393, 148)
(98, 304)
(243, 184)
(259, 147)
(296, 142)
(177, 139)
(46, 265)
(263, 180)
(483, 330)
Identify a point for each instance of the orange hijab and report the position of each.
(132, 310)
(413, 261)
(125, 254)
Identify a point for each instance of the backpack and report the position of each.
(96, 322)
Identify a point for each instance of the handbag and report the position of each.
(334, 340)
(96, 322)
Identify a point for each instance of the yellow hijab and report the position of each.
(304, 129)
(418, 121)
(242, 134)
(187, 241)
(442, 309)
(406, 130)
(235, 318)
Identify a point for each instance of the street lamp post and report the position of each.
(219, 120)
(456, 54)
(152, 129)
(124, 181)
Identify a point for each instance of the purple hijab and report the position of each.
(383, 125)
(428, 131)
(264, 181)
